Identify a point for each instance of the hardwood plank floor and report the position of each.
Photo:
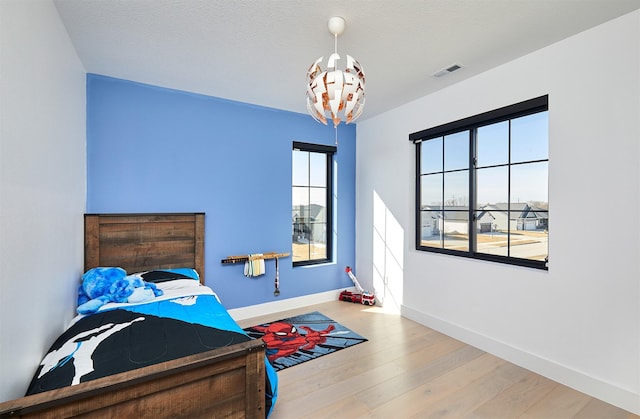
(407, 370)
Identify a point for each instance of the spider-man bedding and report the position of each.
(186, 320)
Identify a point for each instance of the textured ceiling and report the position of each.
(258, 51)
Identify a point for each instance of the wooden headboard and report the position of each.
(142, 242)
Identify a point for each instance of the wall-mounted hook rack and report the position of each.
(245, 258)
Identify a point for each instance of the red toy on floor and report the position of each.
(358, 296)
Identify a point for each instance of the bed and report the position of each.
(230, 378)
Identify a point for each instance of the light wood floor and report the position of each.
(407, 370)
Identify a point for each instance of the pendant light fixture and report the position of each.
(332, 93)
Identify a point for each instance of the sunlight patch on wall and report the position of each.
(388, 255)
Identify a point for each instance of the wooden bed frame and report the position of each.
(228, 382)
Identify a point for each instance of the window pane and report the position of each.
(456, 189)
(300, 166)
(531, 238)
(431, 233)
(300, 253)
(318, 241)
(529, 183)
(456, 230)
(318, 169)
(301, 234)
(431, 190)
(431, 156)
(456, 151)
(492, 186)
(301, 230)
(529, 138)
(491, 232)
(493, 144)
(300, 197)
(318, 205)
(300, 201)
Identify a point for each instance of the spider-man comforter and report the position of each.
(122, 337)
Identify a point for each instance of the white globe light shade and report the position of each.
(333, 93)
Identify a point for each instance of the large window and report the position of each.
(311, 214)
(482, 186)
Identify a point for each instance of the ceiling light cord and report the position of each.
(335, 50)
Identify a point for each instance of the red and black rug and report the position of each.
(302, 338)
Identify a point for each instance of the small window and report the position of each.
(482, 186)
(311, 215)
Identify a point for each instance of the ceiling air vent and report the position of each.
(447, 70)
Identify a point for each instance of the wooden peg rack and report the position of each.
(245, 258)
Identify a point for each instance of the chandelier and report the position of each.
(333, 93)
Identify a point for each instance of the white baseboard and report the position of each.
(283, 305)
(577, 380)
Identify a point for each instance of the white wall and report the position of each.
(578, 323)
(42, 185)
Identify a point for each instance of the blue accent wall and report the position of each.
(152, 149)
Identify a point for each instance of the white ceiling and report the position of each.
(258, 51)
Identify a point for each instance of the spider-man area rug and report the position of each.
(302, 338)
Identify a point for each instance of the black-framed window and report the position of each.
(482, 186)
(311, 211)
